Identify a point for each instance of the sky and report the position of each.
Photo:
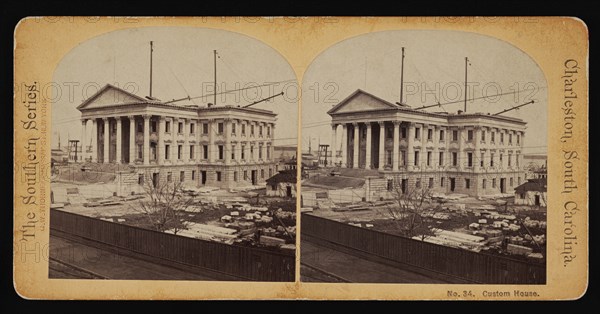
(434, 71)
(182, 66)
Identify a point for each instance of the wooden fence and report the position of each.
(466, 265)
(242, 262)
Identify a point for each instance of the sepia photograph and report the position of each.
(300, 158)
(171, 158)
(424, 158)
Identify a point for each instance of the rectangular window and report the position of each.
(181, 176)
(494, 183)
(429, 134)
(518, 139)
(500, 160)
(262, 173)
(191, 151)
(388, 157)
(417, 133)
(491, 160)
(114, 128)
(454, 135)
(167, 151)
(483, 183)
(431, 183)
(416, 158)
(243, 156)
(205, 151)
(268, 152)
(501, 138)
(442, 181)
(468, 183)
(441, 135)
(509, 139)
(140, 127)
(260, 152)
(260, 129)
(428, 158)
(454, 159)
(204, 128)
(141, 179)
(252, 130)
(192, 128)
(232, 152)
(233, 128)
(469, 135)
(220, 127)
(179, 151)
(441, 161)
(517, 160)
(481, 162)
(269, 131)
(219, 176)
(243, 129)
(418, 183)
(180, 128)
(169, 177)
(509, 160)
(511, 181)
(403, 153)
(168, 126)
(193, 175)
(140, 149)
(469, 159)
(245, 175)
(483, 136)
(235, 176)
(221, 155)
(153, 126)
(389, 133)
(403, 131)
(251, 152)
(493, 136)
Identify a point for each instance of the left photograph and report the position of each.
(174, 158)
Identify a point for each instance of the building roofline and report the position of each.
(396, 108)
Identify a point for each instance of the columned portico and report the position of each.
(146, 148)
(356, 146)
(118, 141)
(106, 136)
(381, 145)
(333, 144)
(132, 144)
(368, 148)
(396, 147)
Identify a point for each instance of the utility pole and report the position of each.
(402, 77)
(215, 65)
(151, 50)
(466, 86)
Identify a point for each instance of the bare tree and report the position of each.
(165, 205)
(407, 212)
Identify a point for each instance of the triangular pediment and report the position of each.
(361, 101)
(110, 95)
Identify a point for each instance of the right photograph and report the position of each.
(424, 160)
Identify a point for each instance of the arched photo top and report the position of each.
(499, 76)
(183, 69)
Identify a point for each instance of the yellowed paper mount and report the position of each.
(387, 158)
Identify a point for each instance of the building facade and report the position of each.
(468, 153)
(222, 146)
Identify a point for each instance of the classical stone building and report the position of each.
(470, 153)
(223, 146)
